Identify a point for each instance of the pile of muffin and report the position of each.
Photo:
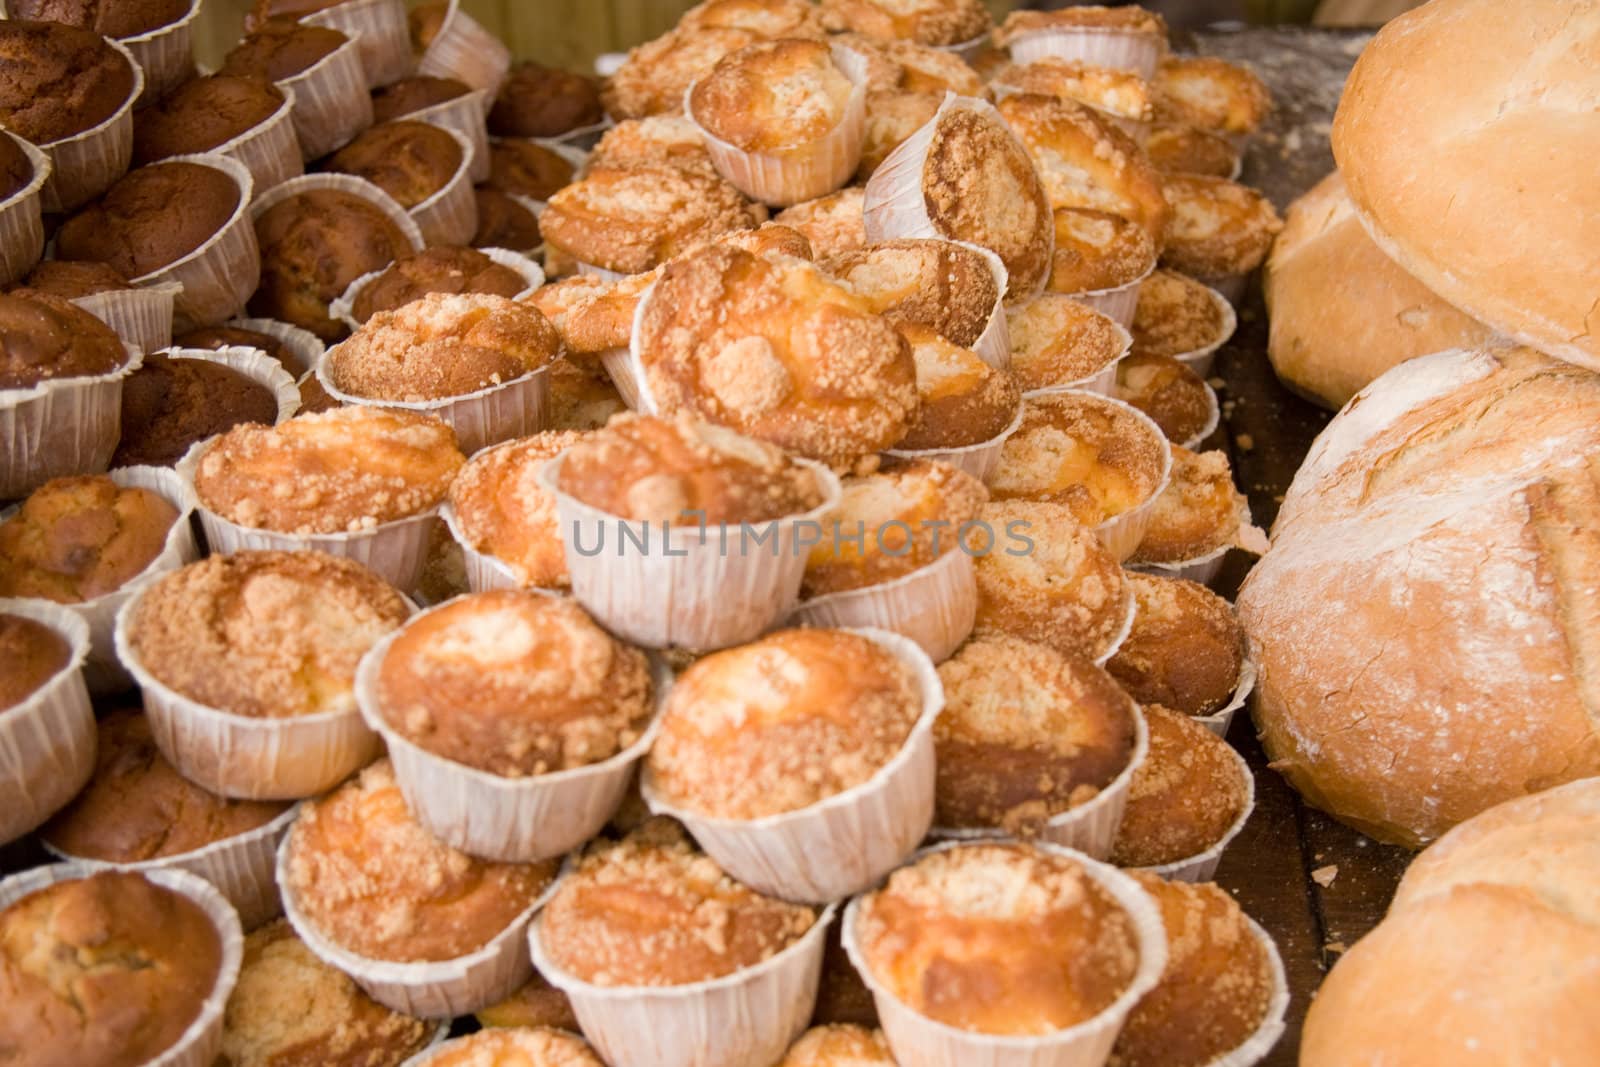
(673, 560)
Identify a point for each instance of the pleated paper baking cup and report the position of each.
(621, 368)
(256, 365)
(305, 348)
(1200, 359)
(343, 308)
(59, 427)
(242, 867)
(916, 1039)
(219, 277)
(686, 586)
(1232, 287)
(270, 149)
(86, 164)
(379, 26)
(584, 138)
(749, 1017)
(1136, 51)
(464, 50)
(142, 317)
(846, 843)
(433, 989)
(331, 102)
(978, 460)
(450, 216)
(485, 573)
(1121, 534)
(993, 345)
(1130, 611)
(1254, 1049)
(1212, 421)
(201, 1043)
(1219, 721)
(165, 54)
(1203, 866)
(47, 742)
(935, 605)
(21, 223)
(465, 115)
(967, 50)
(1117, 304)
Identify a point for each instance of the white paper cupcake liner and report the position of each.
(1130, 611)
(621, 368)
(1136, 51)
(1203, 866)
(201, 1043)
(219, 277)
(485, 573)
(1200, 359)
(21, 224)
(331, 102)
(967, 50)
(305, 348)
(1212, 422)
(1201, 569)
(1219, 721)
(60, 426)
(917, 1039)
(86, 164)
(466, 51)
(1254, 1049)
(692, 587)
(165, 54)
(450, 216)
(380, 27)
(142, 317)
(465, 115)
(935, 605)
(270, 149)
(993, 345)
(978, 460)
(343, 308)
(1232, 287)
(584, 138)
(1117, 304)
(795, 175)
(749, 1017)
(47, 742)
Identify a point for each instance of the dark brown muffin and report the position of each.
(1184, 799)
(504, 223)
(201, 114)
(151, 217)
(412, 94)
(540, 101)
(81, 537)
(33, 654)
(169, 404)
(262, 11)
(214, 337)
(16, 169)
(313, 245)
(425, 21)
(280, 50)
(527, 169)
(408, 160)
(109, 18)
(70, 279)
(1185, 650)
(436, 270)
(44, 337)
(56, 81)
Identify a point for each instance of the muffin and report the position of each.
(170, 403)
(1090, 18)
(514, 684)
(45, 338)
(594, 315)
(109, 18)
(109, 969)
(503, 222)
(444, 269)
(537, 1003)
(656, 74)
(893, 115)
(71, 280)
(279, 49)
(534, 1048)
(946, 287)
(313, 245)
(501, 510)
(962, 401)
(659, 140)
(364, 875)
(839, 1046)
(935, 22)
(215, 337)
(410, 95)
(1178, 148)
(424, 22)
(1218, 228)
(1210, 93)
(411, 161)
(833, 224)
(1026, 734)
(1118, 98)
(291, 1008)
(34, 654)
(651, 910)
(202, 114)
(16, 168)
(1186, 798)
(1098, 250)
(540, 101)
(768, 18)
(1186, 650)
(928, 69)
(1050, 951)
(81, 537)
(1170, 392)
(60, 80)
(580, 399)
(1057, 341)
(1198, 513)
(525, 168)
(150, 218)
(1050, 581)
(1177, 316)
(314, 397)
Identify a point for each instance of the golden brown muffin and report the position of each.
(660, 140)
(833, 224)
(202, 114)
(1110, 93)
(108, 969)
(355, 468)
(1098, 250)
(652, 910)
(291, 1009)
(839, 1046)
(527, 169)
(503, 222)
(592, 314)
(768, 18)
(580, 399)
(538, 1003)
(1216, 988)
(501, 509)
(59, 80)
(944, 286)
(264, 634)
(1186, 649)
(773, 96)
(1198, 512)
(782, 723)
(892, 523)
(215, 337)
(516, 1048)
(81, 537)
(892, 116)
(1217, 227)
(109, 18)
(962, 400)
(44, 337)
(169, 404)
(410, 95)
(1026, 734)
(1176, 315)
(540, 101)
(935, 22)
(1122, 19)
(775, 349)
(515, 684)
(279, 49)
(1050, 950)
(657, 73)
(367, 876)
(70, 279)
(1178, 148)
(1056, 341)
(33, 654)
(436, 270)
(925, 69)
(649, 468)
(1170, 392)
(411, 161)
(1190, 791)
(1047, 579)
(137, 807)
(151, 217)
(1210, 93)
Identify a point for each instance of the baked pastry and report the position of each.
(1177, 316)
(279, 49)
(410, 95)
(503, 222)
(43, 338)
(151, 217)
(833, 224)
(215, 337)
(313, 397)
(775, 349)
(1178, 148)
(260, 12)
(1176, 398)
(1186, 650)
(540, 101)
(656, 74)
(1185, 798)
(929, 69)
(16, 168)
(652, 910)
(411, 161)
(773, 96)
(1118, 98)
(355, 467)
(537, 1048)
(659, 140)
(264, 634)
(1047, 579)
(893, 115)
(81, 537)
(514, 684)
(962, 400)
(1026, 734)
(1217, 228)
(1210, 93)
(536, 1003)
(366, 876)
(528, 169)
(34, 654)
(60, 80)
(1123, 19)
(1052, 951)
(1199, 512)
(1098, 250)
(168, 404)
(1057, 341)
(201, 114)
(443, 269)
(580, 399)
(839, 1046)
(109, 18)
(948, 288)
(424, 22)
(768, 18)
(935, 22)
(71, 279)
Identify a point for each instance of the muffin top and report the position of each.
(352, 468)
(1098, 250)
(769, 18)
(33, 653)
(1056, 340)
(1198, 512)
(410, 95)
(443, 345)
(441, 269)
(214, 337)
(81, 537)
(1217, 227)
(679, 469)
(659, 140)
(839, 1045)
(151, 217)
(1110, 91)
(580, 398)
(1186, 649)
(109, 18)
(1126, 19)
(516, 1048)
(998, 939)
(515, 684)
(893, 115)
(935, 22)
(367, 876)
(137, 807)
(411, 161)
(657, 73)
(504, 222)
(529, 169)
(948, 288)
(109, 969)
(593, 314)
(1026, 734)
(1178, 148)
(962, 400)
(535, 1003)
(264, 634)
(540, 101)
(1170, 392)
(834, 224)
(1176, 315)
(16, 169)
(782, 723)
(59, 80)
(1190, 791)
(892, 523)
(1210, 93)
(170, 403)
(290, 1008)
(202, 114)
(773, 96)
(71, 279)
(652, 910)
(279, 49)
(503, 511)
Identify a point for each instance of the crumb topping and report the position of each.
(441, 269)
(833, 224)
(1098, 250)
(1055, 340)
(1198, 512)
(1116, 92)
(1217, 227)
(1186, 648)
(893, 115)
(1089, 17)
(963, 400)
(517, 1048)
(768, 18)
(1189, 791)
(930, 22)
(1176, 315)
(1211, 93)
(81, 537)
(773, 96)
(657, 73)
(503, 511)
(938, 284)
(1168, 391)
(666, 140)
